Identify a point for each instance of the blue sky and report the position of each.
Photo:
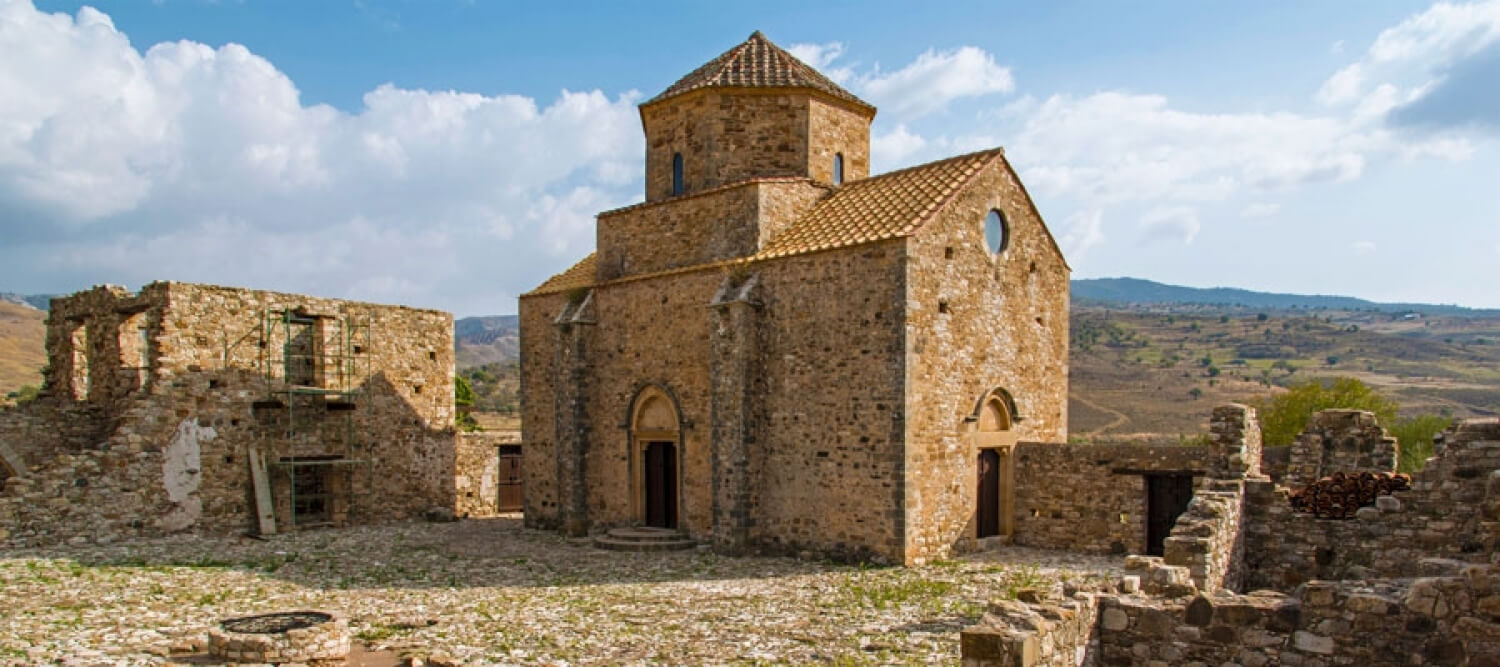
(452, 154)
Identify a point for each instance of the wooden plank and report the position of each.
(265, 507)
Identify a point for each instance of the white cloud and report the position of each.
(894, 147)
(1082, 231)
(934, 79)
(1170, 223)
(1427, 64)
(821, 57)
(1260, 210)
(1364, 247)
(191, 162)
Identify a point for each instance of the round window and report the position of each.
(996, 231)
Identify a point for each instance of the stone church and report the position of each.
(778, 352)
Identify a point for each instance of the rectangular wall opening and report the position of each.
(1167, 497)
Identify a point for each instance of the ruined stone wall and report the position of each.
(1035, 634)
(90, 496)
(1340, 441)
(540, 377)
(978, 322)
(714, 225)
(1207, 537)
(1452, 511)
(1092, 498)
(211, 392)
(1439, 621)
(834, 130)
(476, 473)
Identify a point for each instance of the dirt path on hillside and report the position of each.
(1119, 417)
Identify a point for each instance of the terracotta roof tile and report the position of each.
(877, 208)
(757, 63)
(579, 275)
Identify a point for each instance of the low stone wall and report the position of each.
(1207, 538)
(1044, 634)
(1452, 511)
(1436, 621)
(1092, 498)
(94, 496)
(1340, 441)
(1447, 620)
(476, 478)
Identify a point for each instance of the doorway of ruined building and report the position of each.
(655, 458)
(993, 443)
(302, 353)
(510, 499)
(1167, 497)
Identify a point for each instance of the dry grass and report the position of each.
(22, 346)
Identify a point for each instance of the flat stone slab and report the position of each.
(644, 539)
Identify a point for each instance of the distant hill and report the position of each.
(22, 346)
(37, 301)
(484, 340)
(1102, 291)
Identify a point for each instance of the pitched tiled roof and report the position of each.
(757, 63)
(579, 275)
(877, 208)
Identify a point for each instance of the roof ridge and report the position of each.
(756, 62)
(925, 165)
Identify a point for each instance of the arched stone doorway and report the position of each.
(655, 459)
(993, 449)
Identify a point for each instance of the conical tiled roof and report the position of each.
(757, 63)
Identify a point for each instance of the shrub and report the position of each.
(1414, 436)
(1283, 416)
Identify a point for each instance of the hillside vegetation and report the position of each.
(23, 338)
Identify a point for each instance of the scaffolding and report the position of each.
(315, 369)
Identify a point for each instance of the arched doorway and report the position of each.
(994, 453)
(655, 458)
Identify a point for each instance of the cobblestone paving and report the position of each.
(490, 591)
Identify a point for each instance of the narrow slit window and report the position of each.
(676, 174)
(838, 168)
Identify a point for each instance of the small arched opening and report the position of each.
(676, 174)
(655, 458)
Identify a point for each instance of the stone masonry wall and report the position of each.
(476, 473)
(728, 136)
(1340, 441)
(707, 227)
(1451, 512)
(977, 322)
(1034, 634)
(209, 395)
(1207, 537)
(1092, 498)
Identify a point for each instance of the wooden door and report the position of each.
(987, 519)
(1167, 497)
(661, 485)
(510, 479)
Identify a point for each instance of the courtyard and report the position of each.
(488, 591)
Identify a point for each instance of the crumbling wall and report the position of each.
(1092, 498)
(1207, 538)
(1452, 511)
(1340, 441)
(1039, 633)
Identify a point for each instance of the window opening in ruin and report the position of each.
(312, 491)
(661, 485)
(838, 168)
(79, 383)
(1167, 497)
(676, 174)
(511, 499)
(301, 356)
(996, 231)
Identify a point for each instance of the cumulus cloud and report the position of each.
(895, 146)
(935, 79)
(1364, 247)
(1173, 223)
(821, 57)
(1435, 69)
(1082, 231)
(200, 163)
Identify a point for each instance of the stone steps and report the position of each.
(644, 539)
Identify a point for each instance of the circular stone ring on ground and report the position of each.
(296, 636)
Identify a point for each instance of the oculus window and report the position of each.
(996, 231)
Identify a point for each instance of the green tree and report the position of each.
(1283, 416)
(1414, 436)
(25, 393)
(463, 398)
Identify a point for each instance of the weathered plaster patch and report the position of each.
(181, 474)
